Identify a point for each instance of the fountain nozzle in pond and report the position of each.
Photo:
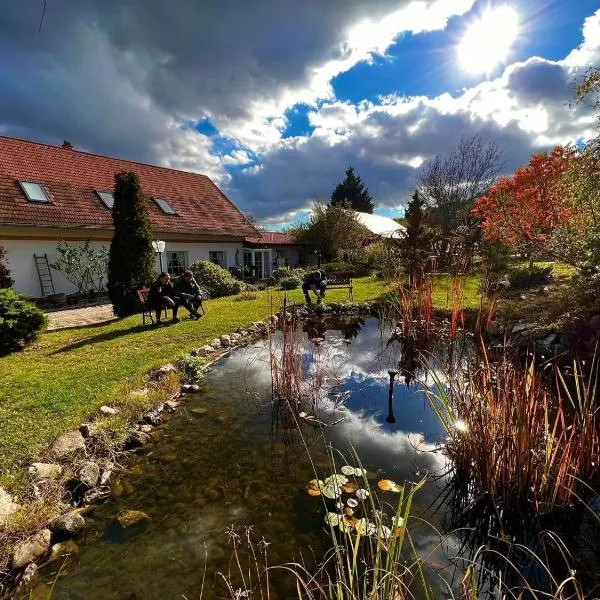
(390, 418)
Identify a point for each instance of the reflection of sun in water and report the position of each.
(488, 40)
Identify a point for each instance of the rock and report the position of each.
(145, 428)
(84, 511)
(88, 430)
(549, 340)
(129, 518)
(523, 327)
(137, 439)
(172, 404)
(106, 475)
(97, 495)
(196, 352)
(67, 526)
(235, 337)
(243, 332)
(153, 418)
(225, 341)
(88, 474)
(62, 550)
(595, 322)
(164, 371)
(32, 549)
(41, 471)
(216, 343)
(190, 388)
(7, 505)
(206, 350)
(67, 445)
(29, 579)
(108, 410)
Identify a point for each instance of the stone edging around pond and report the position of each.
(84, 465)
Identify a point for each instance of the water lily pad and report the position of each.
(314, 487)
(332, 491)
(347, 470)
(313, 492)
(387, 485)
(358, 472)
(362, 494)
(350, 487)
(332, 519)
(352, 503)
(336, 479)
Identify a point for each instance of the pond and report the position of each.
(228, 458)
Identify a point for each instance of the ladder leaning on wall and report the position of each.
(44, 274)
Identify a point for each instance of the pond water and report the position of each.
(228, 459)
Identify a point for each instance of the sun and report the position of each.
(488, 40)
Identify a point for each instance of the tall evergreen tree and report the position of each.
(352, 193)
(131, 263)
(6, 280)
(415, 245)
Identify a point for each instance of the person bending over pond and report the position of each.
(160, 296)
(315, 281)
(188, 294)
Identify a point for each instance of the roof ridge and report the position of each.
(135, 162)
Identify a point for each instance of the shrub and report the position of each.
(284, 272)
(290, 283)
(214, 280)
(246, 295)
(20, 320)
(5, 279)
(529, 276)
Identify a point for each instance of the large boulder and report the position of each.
(97, 495)
(137, 439)
(129, 518)
(67, 526)
(62, 550)
(67, 445)
(8, 506)
(45, 471)
(32, 549)
(89, 473)
(225, 341)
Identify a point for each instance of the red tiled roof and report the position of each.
(272, 238)
(71, 178)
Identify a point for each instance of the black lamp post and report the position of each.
(318, 255)
(390, 418)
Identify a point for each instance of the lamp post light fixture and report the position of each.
(159, 248)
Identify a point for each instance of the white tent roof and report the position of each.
(381, 226)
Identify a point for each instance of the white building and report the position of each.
(50, 194)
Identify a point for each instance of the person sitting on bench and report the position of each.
(188, 294)
(160, 296)
(315, 281)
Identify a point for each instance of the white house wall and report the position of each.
(19, 257)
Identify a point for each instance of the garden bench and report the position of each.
(340, 280)
(147, 312)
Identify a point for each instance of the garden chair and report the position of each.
(147, 313)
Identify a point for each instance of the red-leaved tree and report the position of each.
(523, 210)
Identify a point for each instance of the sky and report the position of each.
(274, 99)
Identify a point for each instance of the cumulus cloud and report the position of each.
(525, 110)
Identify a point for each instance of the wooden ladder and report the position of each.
(44, 274)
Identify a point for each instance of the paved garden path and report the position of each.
(76, 317)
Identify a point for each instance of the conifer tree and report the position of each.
(352, 193)
(131, 263)
(415, 245)
(6, 280)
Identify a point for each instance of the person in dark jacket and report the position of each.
(315, 281)
(160, 295)
(188, 294)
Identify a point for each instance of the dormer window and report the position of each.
(107, 199)
(34, 191)
(165, 206)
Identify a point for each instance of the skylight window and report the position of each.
(34, 191)
(165, 206)
(107, 199)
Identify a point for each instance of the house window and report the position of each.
(107, 199)
(34, 191)
(219, 257)
(177, 262)
(165, 206)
